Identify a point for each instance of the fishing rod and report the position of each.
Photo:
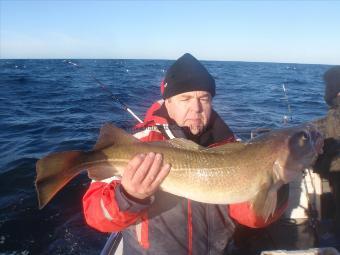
(285, 117)
(107, 90)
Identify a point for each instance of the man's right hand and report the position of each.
(144, 174)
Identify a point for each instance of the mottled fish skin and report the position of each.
(226, 174)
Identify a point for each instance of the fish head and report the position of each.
(297, 148)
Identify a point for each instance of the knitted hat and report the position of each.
(332, 81)
(185, 75)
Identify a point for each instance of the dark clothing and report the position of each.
(171, 231)
(332, 82)
(329, 161)
(187, 74)
(328, 164)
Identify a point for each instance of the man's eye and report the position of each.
(205, 99)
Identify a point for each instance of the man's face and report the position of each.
(190, 109)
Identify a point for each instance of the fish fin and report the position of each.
(112, 135)
(102, 171)
(54, 172)
(265, 202)
(226, 148)
(184, 144)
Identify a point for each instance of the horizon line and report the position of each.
(162, 59)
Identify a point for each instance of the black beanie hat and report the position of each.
(185, 75)
(332, 81)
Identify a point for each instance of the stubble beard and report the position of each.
(196, 129)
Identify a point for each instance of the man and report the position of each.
(155, 222)
(328, 164)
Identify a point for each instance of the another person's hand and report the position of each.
(144, 174)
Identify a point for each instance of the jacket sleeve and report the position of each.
(245, 215)
(108, 209)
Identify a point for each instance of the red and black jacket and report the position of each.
(168, 224)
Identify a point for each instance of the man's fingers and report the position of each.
(154, 170)
(144, 174)
(143, 168)
(165, 170)
(133, 165)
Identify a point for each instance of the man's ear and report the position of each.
(167, 101)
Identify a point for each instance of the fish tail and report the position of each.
(54, 172)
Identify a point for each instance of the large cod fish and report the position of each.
(230, 173)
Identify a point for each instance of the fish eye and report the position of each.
(304, 135)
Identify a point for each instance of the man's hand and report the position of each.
(144, 174)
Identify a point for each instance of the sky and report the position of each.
(262, 31)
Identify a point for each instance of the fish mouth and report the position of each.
(315, 141)
(318, 142)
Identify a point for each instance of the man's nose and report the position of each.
(196, 105)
